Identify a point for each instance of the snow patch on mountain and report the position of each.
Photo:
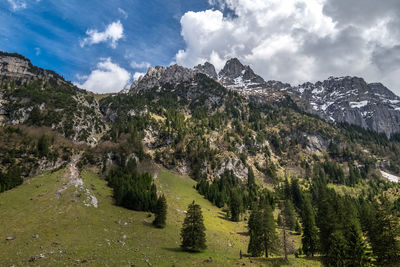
(359, 104)
(390, 177)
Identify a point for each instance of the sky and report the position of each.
(102, 46)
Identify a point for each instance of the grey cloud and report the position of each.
(361, 12)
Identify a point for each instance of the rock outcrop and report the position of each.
(158, 76)
(352, 100)
(207, 69)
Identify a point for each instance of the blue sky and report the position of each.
(49, 33)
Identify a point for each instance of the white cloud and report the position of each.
(137, 75)
(108, 77)
(112, 34)
(17, 4)
(140, 65)
(38, 51)
(296, 40)
(123, 13)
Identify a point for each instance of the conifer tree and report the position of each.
(262, 228)
(160, 212)
(235, 205)
(384, 234)
(310, 231)
(193, 230)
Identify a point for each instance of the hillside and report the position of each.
(51, 228)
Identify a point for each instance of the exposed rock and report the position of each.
(9, 238)
(14, 66)
(235, 73)
(158, 76)
(352, 100)
(207, 69)
(316, 143)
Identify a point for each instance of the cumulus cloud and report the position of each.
(298, 40)
(17, 4)
(111, 34)
(140, 65)
(108, 77)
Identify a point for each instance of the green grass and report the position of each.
(71, 233)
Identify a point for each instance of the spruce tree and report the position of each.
(384, 234)
(235, 205)
(255, 228)
(160, 212)
(263, 237)
(310, 232)
(193, 230)
(269, 236)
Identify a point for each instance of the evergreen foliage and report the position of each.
(383, 230)
(341, 241)
(193, 234)
(310, 240)
(160, 212)
(133, 190)
(262, 229)
(10, 179)
(227, 190)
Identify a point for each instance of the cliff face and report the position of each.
(17, 67)
(352, 100)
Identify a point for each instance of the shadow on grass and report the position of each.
(280, 261)
(243, 233)
(222, 215)
(315, 258)
(271, 261)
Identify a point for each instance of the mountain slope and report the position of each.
(344, 99)
(33, 96)
(352, 100)
(69, 232)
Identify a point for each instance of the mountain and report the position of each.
(158, 76)
(33, 96)
(207, 69)
(352, 100)
(344, 99)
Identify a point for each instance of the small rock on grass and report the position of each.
(9, 238)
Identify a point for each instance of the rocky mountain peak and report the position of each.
(235, 74)
(208, 69)
(233, 68)
(158, 76)
(354, 101)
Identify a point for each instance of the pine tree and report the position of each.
(269, 236)
(255, 228)
(384, 234)
(289, 216)
(355, 252)
(310, 231)
(160, 212)
(193, 230)
(263, 237)
(235, 205)
(296, 193)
